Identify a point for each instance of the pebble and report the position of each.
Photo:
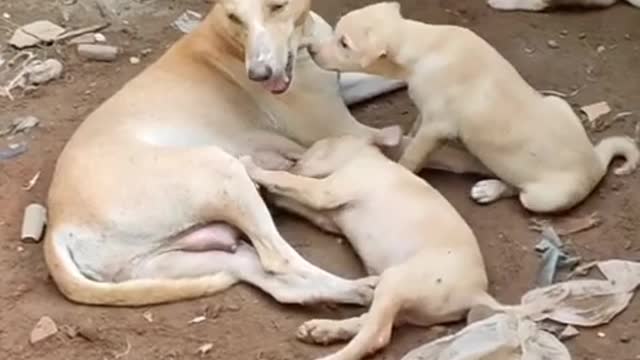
(99, 37)
(134, 60)
(204, 349)
(44, 329)
(601, 334)
(582, 36)
(625, 338)
(98, 52)
(553, 44)
(627, 36)
(564, 32)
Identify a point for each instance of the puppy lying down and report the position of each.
(431, 268)
(465, 90)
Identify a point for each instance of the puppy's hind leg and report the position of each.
(553, 195)
(377, 324)
(358, 87)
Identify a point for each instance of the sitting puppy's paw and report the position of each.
(324, 332)
(487, 191)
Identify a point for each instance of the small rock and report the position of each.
(83, 39)
(98, 37)
(134, 60)
(40, 72)
(625, 338)
(601, 334)
(45, 328)
(600, 49)
(553, 44)
(582, 36)
(146, 52)
(6, 15)
(34, 33)
(232, 307)
(98, 52)
(204, 349)
(69, 330)
(564, 32)
(529, 50)
(147, 315)
(197, 320)
(568, 333)
(627, 36)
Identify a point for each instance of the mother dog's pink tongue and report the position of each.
(276, 85)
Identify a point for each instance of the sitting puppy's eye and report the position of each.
(343, 43)
(235, 19)
(274, 8)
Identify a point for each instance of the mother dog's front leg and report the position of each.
(359, 87)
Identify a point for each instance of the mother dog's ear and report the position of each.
(388, 137)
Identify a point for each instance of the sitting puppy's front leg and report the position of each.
(428, 138)
(317, 194)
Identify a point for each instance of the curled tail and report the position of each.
(615, 146)
(78, 288)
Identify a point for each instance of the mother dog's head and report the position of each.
(269, 32)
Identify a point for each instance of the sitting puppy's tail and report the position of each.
(615, 146)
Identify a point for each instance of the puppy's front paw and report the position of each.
(487, 191)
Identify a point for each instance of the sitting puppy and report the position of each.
(465, 90)
(431, 268)
(541, 5)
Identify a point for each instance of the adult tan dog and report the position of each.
(466, 90)
(148, 202)
(541, 5)
(431, 269)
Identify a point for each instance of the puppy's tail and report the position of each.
(78, 288)
(615, 146)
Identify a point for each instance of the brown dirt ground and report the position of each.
(245, 324)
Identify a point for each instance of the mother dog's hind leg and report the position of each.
(359, 87)
(244, 264)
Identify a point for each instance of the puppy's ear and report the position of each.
(388, 137)
(375, 49)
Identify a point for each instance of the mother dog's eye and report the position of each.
(343, 43)
(274, 8)
(235, 19)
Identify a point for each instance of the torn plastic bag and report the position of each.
(586, 303)
(500, 337)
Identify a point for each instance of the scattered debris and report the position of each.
(568, 333)
(148, 315)
(197, 320)
(204, 349)
(568, 225)
(98, 52)
(41, 31)
(553, 257)
(603, 125)
(499, 337)
(35, 218)
(553, 44)
(595, 111)
(134, 60)
(40, 72)
(44, 329)
(20, 124)
(188, 21)
(32, 182)
(82, 31)
(12, 151)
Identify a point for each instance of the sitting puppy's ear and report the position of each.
(388, 137)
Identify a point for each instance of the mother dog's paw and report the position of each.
(488, 191)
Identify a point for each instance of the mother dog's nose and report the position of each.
(260, 72)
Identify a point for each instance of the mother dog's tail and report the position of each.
(623, 146)
(78, 288)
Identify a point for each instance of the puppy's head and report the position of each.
(360, 40)
(269, 33)
(328, 155)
